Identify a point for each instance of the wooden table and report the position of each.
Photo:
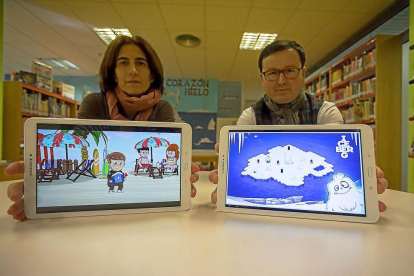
(205, 241)
(155, 172)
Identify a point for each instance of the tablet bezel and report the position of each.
(30, 147)
(369, 170)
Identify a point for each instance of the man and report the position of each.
(282, 71)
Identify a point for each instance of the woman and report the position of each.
(131, 80)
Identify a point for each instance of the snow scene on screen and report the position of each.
(110, 169)
(296, 171)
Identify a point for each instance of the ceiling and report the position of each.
(63, 29)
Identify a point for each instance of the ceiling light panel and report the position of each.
(59, 63)
(256, 41)
(109, 34)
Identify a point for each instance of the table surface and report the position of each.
(205, 241)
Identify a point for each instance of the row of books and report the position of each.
(33, 103)
(317, 85)
(324, 81)
(354, 66)
(360, 111)
(354, 90)
(312, 88)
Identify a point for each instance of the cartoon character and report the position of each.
(95, 166)
(116, 162)
(143, 161)
(172, 156)
(85, 155)
(269, 165)
(344, 195)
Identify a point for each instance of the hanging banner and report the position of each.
(191, 95)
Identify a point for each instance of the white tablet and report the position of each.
(79, 167)
(307, 171)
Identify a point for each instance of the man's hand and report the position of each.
(194, 178)
(15, 191)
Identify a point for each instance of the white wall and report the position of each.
(252, 91)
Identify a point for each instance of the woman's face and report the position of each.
(132, 72)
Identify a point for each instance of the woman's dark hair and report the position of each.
(280, 45)
(108, 64)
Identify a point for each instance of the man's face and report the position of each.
(283, 90)
(144, 153)
(117, 165)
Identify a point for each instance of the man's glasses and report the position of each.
(289, 73)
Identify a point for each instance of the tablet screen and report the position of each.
(90, 168)
(296, 171)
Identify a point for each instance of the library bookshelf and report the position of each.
(22, 101)
(366, 87)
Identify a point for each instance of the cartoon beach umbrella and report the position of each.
(63, 140)
(152, 142)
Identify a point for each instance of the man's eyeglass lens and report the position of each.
(288, 73)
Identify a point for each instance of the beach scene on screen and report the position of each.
(92, 167)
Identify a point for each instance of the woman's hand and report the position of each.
(194, 178)
(382, 184)
(15, 191)
(213, 177)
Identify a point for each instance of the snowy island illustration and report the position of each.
(288, 165)
(296, 175)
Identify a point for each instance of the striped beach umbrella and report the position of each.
(152, 142)
(63, 140)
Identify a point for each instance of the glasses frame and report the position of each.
(281, 71)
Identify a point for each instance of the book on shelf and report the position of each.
(28, 77)
(44, 75)
(33, 103)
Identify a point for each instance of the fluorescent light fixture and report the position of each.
(109, 34)
(256, 41)
(59, 63)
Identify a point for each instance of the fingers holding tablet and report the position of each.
(214, 196)
(16, 210)
(15, 191)
(194, 178)
(15, 168)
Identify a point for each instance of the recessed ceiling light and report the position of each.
(59, 63)
(187, 40)
(256, 41)
(109, 34)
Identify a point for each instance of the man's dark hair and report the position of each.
(280, 45)
(143, 148)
